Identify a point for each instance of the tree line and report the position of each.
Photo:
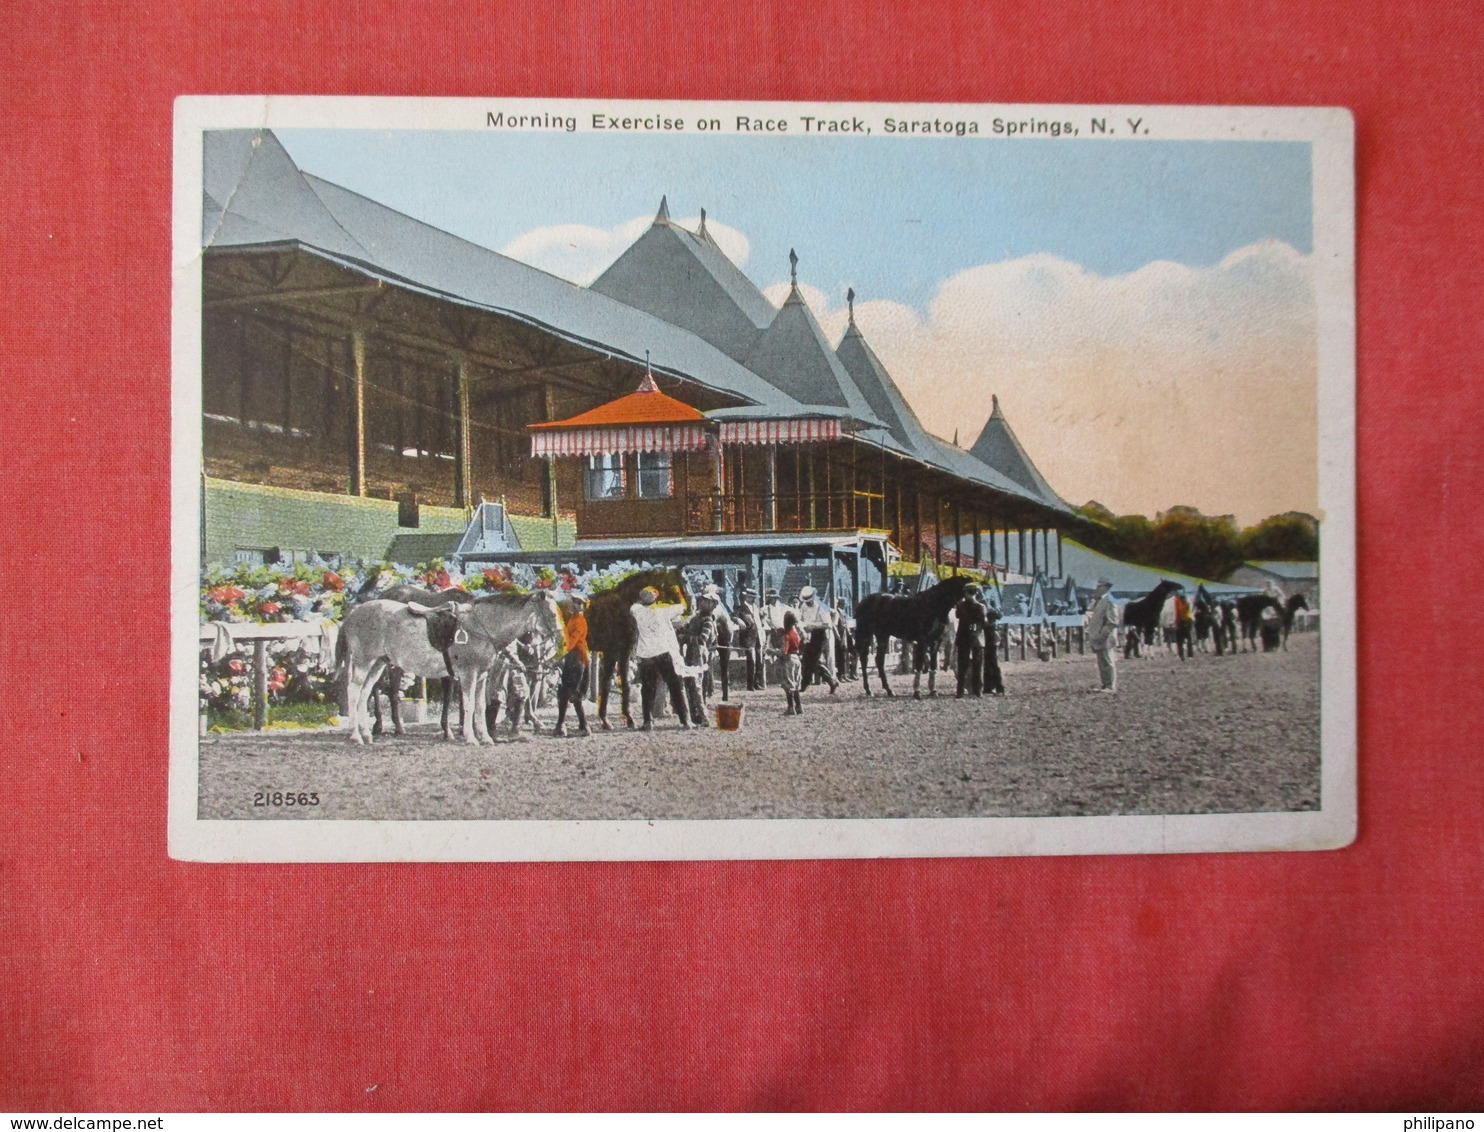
(1186, 541)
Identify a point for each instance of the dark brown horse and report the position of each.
(611, 631)
(917, 619)
(1249, 613)
(1141, 616)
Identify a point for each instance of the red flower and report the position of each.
(269, 608)
(236, 667)
(293, 586)
(278, 679)
(225, 595)
(332, 581)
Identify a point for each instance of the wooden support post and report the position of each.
(548, 409)
(978, 548)
(1061, 570)
(259, 684)
(1081, 641)
(916, 524)
(937, 530)
(770, 499)
(1035, 556)
(463, 493)
(717, 505)
(358, 431)
(1023, 638)
(288, 382)
(1020, 558)
(958, 537)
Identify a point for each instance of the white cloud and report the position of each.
(580, 253)
(1167, 385)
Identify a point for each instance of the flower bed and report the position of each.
(301, 683)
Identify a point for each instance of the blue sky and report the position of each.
(892, 217)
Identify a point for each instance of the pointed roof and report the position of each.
(886, 400)
(646, 405)
(793, 355)
(686, 279)
(998, 447)
(254, 193)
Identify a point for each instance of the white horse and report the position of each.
(461, 641)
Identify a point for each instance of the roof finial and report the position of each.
(850, 303)
(793, 267)
(994, 405)
(648, 384)
(701, 231)
(956, 444)
(663, 215)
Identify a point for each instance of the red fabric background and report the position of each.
(128, 981)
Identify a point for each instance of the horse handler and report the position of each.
(968, 642)
(573, 674)
(655, 648)
(1102, 634)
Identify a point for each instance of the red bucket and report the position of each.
(729, 717)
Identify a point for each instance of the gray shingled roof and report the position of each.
(794, 356)
(684, 278)
(998, 447)
(257, 196)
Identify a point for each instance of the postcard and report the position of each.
(594, 480)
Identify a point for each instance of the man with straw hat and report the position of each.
(656, 649)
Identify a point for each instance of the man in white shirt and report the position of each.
(656, 649)
(817, 626)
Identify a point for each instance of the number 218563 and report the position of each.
(285, 798)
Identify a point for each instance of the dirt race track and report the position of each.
(1212, 735)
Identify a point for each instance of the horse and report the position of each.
(1141, 616)
(392, 680)
(611, 631)
(1295, 603)
(431, 641)
(919, 619)
(1207, 621)
(1249, 615)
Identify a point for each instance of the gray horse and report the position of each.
(430, 642)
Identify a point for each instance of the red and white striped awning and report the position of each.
(807, 430)
(624, 438)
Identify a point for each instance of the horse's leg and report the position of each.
(933, 672)
(882, 643)
(447, 696)
(623, 688)
(360, 729)
(863, 653)
(605, 681)
(394, 688)
(481, 712)
(917, 660)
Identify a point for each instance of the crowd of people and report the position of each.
(797, 645)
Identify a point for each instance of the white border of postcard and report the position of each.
(1331, 132)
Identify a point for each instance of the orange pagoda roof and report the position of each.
(646, 406)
